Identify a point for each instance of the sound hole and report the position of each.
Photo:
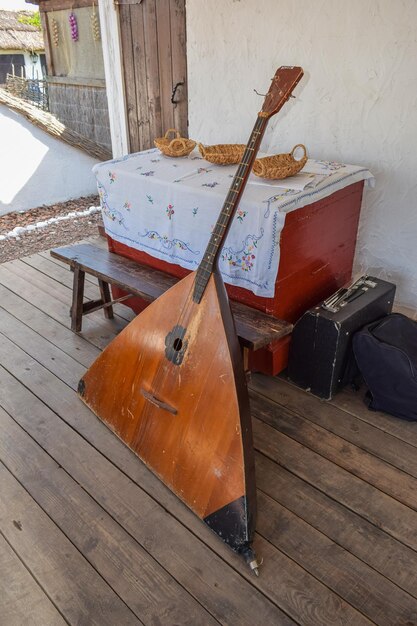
(177, 344)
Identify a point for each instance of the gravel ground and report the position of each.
(53, 235)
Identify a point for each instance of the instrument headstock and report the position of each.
(285, 80)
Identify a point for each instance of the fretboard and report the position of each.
(219, 233)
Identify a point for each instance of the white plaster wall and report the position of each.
(36, 168)
(33, 70)
(356, 104)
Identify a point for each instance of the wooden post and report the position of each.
(113, 69)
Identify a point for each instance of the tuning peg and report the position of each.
(260, 94)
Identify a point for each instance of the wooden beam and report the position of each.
(98, 83)
(62, 5)
(47, 42)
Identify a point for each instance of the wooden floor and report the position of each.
(90, 536)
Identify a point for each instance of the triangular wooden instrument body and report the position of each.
(172, 387)
(172, 384)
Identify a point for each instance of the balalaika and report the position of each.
(171, 385)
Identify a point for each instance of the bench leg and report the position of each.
(77, 300)
(106, 297)
(245, 356)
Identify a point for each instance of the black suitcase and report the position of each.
(321, 358)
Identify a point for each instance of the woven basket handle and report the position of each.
(182, 143)
(299, 145)
(172, 130)
(259, 167)
(178, 139)
(202, 149)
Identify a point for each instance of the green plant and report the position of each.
(32, 20)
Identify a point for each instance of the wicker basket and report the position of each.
(177, 147)
(222, 153)
(280, 165)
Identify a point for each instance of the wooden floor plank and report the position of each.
(22, 601)
(46, 284)
(345, 528)
(62, 274)
(61, 336)
(30, 268)
(46, 352)
(354, 493)
(225, 594)
(363, 435)
(373, 470)
(96, 329)
(79, 593)
(151, 594)
(366, 590)
(138, 514)
(353, 403)
(44, 356)
(336, 525)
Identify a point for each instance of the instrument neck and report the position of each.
(219, 233)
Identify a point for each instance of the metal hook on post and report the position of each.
(174, 91)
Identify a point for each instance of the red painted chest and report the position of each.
(317, 250)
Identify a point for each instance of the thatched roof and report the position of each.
(17, 36)
(54, 127)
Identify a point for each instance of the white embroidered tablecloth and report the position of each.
(168, 207)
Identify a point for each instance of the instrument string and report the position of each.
(275, 98)
(209, 261)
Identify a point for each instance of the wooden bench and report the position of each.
(254, 328)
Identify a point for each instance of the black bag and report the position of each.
(386, 354)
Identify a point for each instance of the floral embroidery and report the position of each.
(195, 211)
(331, 165)
(200, 170)
(240, 215)
(114, 216)
(112, 177)
(127, 206)
(111, 214)
(280, 196)
(245, 262)
(170, 211)
(150, 199)
(168, 244)
(155, 160)
(243, 259)
(209, 184)
(150, 173)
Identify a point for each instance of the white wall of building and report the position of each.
(36, 168)
(33, 66)
(357, 102)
